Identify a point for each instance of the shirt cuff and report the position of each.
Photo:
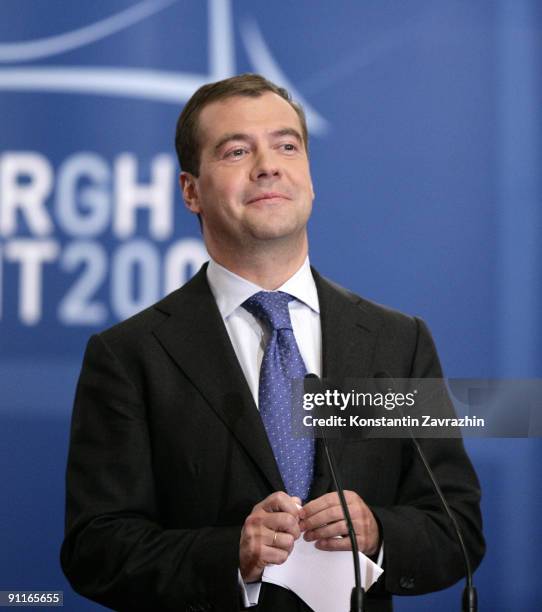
(250, 591)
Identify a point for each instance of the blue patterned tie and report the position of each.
(282, 363)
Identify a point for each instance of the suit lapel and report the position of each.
(348, 339)
(196, 338)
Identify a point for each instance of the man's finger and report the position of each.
(260, 523)
(333, 544)
(319, 504)
(273, 556)
(280, 502)
(324, 517)
(284, 541)
(338, 528)
(282, 522)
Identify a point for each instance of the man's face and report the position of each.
(254, 183)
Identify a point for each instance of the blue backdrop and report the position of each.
(425, 154)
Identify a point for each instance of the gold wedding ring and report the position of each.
(274, 538)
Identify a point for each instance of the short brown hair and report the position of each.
(250, 85)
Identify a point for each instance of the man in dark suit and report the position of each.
(181, 487)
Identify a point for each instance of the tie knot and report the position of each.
(272, 307)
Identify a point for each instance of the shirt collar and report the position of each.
(231, 290)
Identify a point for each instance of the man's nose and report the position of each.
(266, 165)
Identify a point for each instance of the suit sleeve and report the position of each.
(421, 550)
(115, 550)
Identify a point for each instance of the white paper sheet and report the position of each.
(322, 579)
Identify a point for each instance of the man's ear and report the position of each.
(189, 189)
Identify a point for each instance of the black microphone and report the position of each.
(357, 598)
(470, 597)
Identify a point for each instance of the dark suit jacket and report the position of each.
(168, 455)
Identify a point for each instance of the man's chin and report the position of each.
(274, 233)
(276, 227)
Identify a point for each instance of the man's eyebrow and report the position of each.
(288, 132)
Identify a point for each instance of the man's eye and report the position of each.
(289, 147)
(236, 153)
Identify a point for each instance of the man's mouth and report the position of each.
(268, 195)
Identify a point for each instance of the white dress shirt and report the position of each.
(247, 334)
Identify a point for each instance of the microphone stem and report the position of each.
(357, 599)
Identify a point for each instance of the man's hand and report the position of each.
(322, 520)
(268, 534)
